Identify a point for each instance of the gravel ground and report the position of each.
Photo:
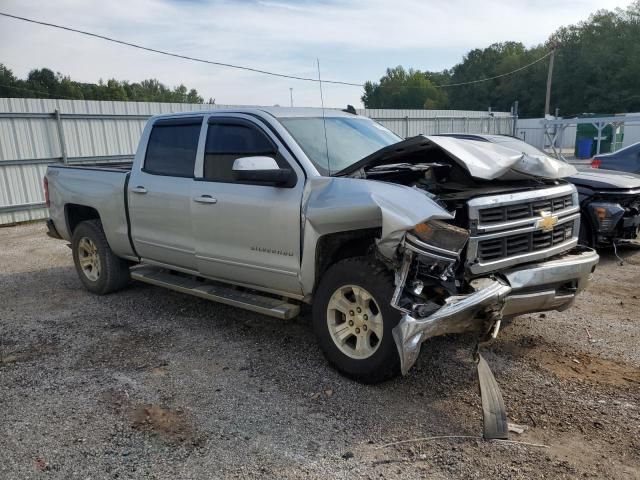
(150, 383)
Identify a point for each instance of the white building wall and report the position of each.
(110, 131)
(631, 132)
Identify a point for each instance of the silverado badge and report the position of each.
(547, 222)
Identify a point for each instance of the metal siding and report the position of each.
(407, 123)
(531, 131)
(38, 138)
(631, 133)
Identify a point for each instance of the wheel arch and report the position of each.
(334, 247)
(74, 214)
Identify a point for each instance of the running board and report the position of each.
(236, 298)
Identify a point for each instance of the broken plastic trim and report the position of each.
(495, 425)
(458, 315)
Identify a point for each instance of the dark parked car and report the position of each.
(609, 200)
(624, 160)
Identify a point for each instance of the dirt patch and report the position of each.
(581, 366)
(126, 349)
(160, 371)
(572, 365)
(11, 352)
(576, 451)
(170, 425)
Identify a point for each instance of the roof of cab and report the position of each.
(277, 112)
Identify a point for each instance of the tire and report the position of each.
(100, 271)
(375, 359)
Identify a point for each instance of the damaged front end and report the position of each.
(473, 231)
(614, 221)
(427, 291)
(435, 301)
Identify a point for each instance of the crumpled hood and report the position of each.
(491, 161)
(483, 160)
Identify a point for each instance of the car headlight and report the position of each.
(606, 215)
(442, 235)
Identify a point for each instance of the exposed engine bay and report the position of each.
(453, 274)
(439, 244)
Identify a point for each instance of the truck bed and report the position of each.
(119, 166)
(101, 187)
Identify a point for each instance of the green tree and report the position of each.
(400, 88)
(483, 64)
(8, 82)
(44, 83)
(596, 70)
(44, 80)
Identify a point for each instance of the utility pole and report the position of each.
(291, 95)
(547, 100)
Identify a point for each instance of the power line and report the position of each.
(472, 81)
(497, 76)
(251, 69)
(176, 55)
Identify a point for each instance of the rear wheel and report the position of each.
(353, 320)
(100, 271)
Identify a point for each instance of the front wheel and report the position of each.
(353, 320)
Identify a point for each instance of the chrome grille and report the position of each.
(508, 229)
(519, 211)
(523, 243)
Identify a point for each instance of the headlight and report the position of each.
(606, 215)
(439, 234)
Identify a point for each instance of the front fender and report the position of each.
(336, 204)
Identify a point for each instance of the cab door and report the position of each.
(159, 193)
(245, 232)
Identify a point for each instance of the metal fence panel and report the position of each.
(408, 123)
(87, 131)
(531, 131)
(21, 193)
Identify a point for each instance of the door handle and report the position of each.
(205, 199)
(139, 189)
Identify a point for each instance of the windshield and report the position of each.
(348, 140)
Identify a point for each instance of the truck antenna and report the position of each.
(324, 121)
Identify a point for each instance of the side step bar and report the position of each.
(237, 298)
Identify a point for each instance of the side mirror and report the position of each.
(261, 169)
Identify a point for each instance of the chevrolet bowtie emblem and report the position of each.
(547, 222)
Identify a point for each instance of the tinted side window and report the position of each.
(226, 143)
(172, 149)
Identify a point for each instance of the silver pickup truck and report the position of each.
(391, 241)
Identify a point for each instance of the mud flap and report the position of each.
(494, 416)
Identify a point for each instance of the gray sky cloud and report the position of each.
(355, 40)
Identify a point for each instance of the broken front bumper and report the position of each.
(550, 285)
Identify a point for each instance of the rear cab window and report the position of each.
(172, 147)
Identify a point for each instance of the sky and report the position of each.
(354, 40)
